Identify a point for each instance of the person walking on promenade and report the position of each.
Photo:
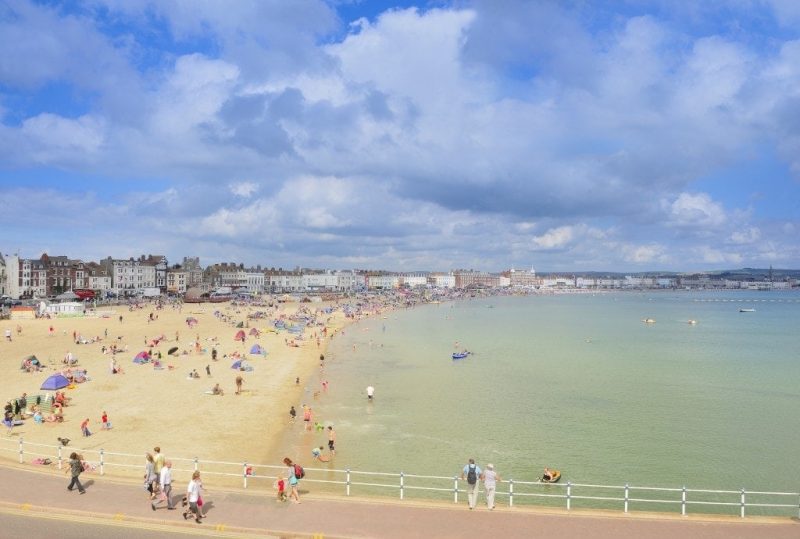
(280, 486)
(291, 473)
(471, 473)
(239, 382)
(331, 440)
(158, 460)
(192, 496)
(490, 480)
(150, 475)
(165, 482)
(75, 467)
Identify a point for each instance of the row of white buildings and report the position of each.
(152, 275)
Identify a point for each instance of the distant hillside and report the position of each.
(744, 274)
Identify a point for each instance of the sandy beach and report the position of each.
(166, 407)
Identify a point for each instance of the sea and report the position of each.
(577, 382)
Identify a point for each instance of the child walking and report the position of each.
(280, 485)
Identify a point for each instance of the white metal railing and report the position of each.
(624, 497)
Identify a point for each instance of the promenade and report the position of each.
(236, 513)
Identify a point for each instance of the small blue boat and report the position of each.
(460, 355)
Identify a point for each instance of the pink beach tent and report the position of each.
(239, 336)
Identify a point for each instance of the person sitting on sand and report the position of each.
(60, 399)
(216, 390)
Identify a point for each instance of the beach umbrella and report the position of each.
(55, 381)
(236, 364)
(172, 350)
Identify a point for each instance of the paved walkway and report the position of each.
(34, 491)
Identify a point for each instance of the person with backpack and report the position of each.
(294, 472)
(471, 473)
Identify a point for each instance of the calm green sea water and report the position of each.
(579, 383)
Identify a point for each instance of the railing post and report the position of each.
(683, 501)
(244, 474)
(511, 493)
(569, 495)
(401, 485)
(626, 497)
(102, 463)
(348, 481)
(455, 489)
(196, 464)
(20, 450)
(59, 457)
(742, 511)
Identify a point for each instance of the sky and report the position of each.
(574, 135)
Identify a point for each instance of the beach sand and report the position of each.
(166, 408)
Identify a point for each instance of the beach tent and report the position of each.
(141, 357)
(241, 365)
(240, 325)
(256, 349)
(55, 381)
(254, 331)
(172, 350)
(239, 336)
(191, 321)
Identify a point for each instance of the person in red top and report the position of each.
(280, 485)
(104, 421)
